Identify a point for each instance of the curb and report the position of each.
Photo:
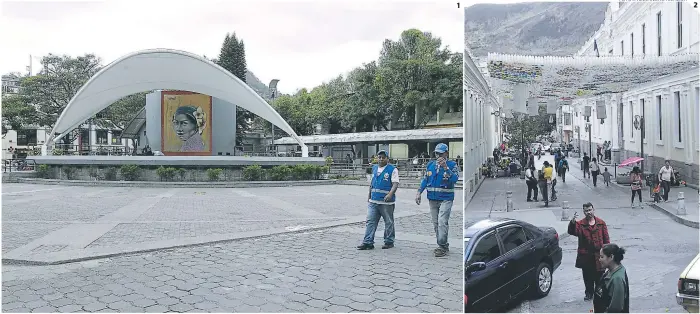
(678, 219)
(55, 258)
(243, 184)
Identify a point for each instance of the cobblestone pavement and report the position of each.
(315, 271)
(658, 248)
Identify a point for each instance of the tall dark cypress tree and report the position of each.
(232, 58)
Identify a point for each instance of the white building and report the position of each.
(481, 123)
(669, 105)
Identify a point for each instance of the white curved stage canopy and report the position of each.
(162, 69)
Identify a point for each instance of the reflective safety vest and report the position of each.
(439, 186)
(381, 185)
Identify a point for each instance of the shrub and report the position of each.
(214, 174)
(166, 174)
(181, 173)
(92, 172)
(252, 173)
(130, 172)
(69, 172)
(280, 173)
(43, 171)
(57, 152)
(111, 173)
(329, 160)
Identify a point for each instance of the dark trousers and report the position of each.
(666, 185)
(594, 175)
(586, 171)
(545, 191)
(531, 187)
(563, 174)
(590, 278)
(638, 192)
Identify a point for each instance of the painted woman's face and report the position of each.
(184, 128)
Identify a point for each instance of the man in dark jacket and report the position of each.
(592, 233)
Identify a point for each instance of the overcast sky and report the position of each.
(302, 43)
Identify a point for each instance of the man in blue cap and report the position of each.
(382, 199)
(440, 178)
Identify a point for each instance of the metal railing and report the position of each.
(408, 168)
(17, 165)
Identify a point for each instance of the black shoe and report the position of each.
(365, 247)
(387, 246)
(529, 200)
(440, 252)
(589, 296)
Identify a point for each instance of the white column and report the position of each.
(650, 125)
(93, 135)
(667, 118)
(109, 137)
(687, 115)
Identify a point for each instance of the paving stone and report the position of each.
(143, 302)
(18, 310)
(320, 295)
(339, 300)
(406, 302)
(273, 308)
(48, 297)
(45, 309)
(61, 302)
(167, 301)
(362, 298)
(12, 305)
(206, 305)
(156, 309)
(254, 301)
(430, 308)
(70, 308)
(295, 306)
(361, 306)
(339, 309)
(11, 298)
(95, 306)
(181, 307)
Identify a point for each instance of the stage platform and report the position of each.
(179, 161)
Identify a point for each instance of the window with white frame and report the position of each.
(631, 119)
(677, 116)
(658, 34)
(644, 39)
(679, 23)
(632, 44)
(660, 118)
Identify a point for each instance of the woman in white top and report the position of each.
(666, 177)
(595, 171)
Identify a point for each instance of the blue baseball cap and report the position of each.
(441, 148)
(382, 152)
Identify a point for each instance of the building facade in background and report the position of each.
(668, 106)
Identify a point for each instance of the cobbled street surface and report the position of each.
(658, 248)
(302, 271)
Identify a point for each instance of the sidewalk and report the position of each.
(692, 207)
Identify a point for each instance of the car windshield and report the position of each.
(466, 249)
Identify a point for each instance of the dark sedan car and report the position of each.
(504, 259)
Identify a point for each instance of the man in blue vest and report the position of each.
(382, 198)
(440, 178)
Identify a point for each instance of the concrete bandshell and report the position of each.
(155, 69)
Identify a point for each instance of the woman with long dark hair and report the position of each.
(636, 177)
(612, 295)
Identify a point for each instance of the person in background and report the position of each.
(382, 200)
(595, 171)
(531, 181)
(636, 178)
(606, 177)
(666, 176)
(592, 234)
(585, 165)
(563, 168)
(440, 178)
(542, 182)
(612, 294)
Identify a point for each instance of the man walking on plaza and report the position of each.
(439, 179)
(592, 233)
(382, 199)
(531, 181)
(563, 168)
(666, 177)
(585, 165)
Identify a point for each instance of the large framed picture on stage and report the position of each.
(186, 124)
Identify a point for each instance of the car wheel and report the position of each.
(543, 279)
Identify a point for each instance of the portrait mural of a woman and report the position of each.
(186, 123)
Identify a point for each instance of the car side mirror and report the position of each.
(477, 266)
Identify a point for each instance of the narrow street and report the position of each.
(658, 248)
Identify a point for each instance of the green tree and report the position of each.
(529, 128)
(232, 58)
(16, 112)
(122, 111)
(61, 78)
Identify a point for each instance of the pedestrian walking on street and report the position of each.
(636, 177)
(531, 182)
(439, 179)
(606, 177)
(563, 168)
(592, 234)
(542, 182)
(382, 199)
(666, 176)
(612, 295)
(595, 171)
(586, 161)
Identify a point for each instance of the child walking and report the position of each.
(606, 177)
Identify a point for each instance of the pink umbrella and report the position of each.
(629, 161)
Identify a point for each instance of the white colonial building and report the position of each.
(667, 105)
(481, 123)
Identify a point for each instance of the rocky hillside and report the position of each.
(258, 86)
(539, 28)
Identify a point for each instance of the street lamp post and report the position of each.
(639, 125)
